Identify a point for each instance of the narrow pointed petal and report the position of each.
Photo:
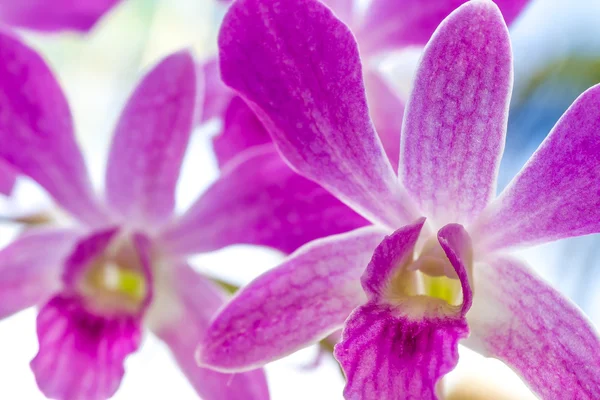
(150, 141)
(81, 355)
(261, 201)
(386, 109)
(292, 306)
(36, 130)
(303, 79)
(58, 15)
(394, 24)
(30, 268)
(521, 320)
(8, 178)
(455, 121)
(241, 131)
(195, 302)
(216, 94)
(398, 348)
(557, 194)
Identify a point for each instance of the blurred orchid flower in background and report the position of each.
(118, 268)
(424, 292)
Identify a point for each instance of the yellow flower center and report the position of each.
(115, 281)
(426, 285)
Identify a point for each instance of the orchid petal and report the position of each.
(524, 322)
(557, 194)
(303, 79)
(150, 141)
(57, 15)
(196, 301)
(386, 356)
(394, 24)
(36, 130)
(241, 131)
(30, 268)
(216, 95)
(8, 178)
(81, 354)
(292, 306)
(456, 117)
(84, 252)
(392, 253)
(395, 253)
(386, 109)
(260, 200)
(388, 350)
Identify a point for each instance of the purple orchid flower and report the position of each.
(57, 15)
(429, 283)
(305, 210)
(122, 268)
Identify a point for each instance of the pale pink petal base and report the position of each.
(521, 320)
(386, 356)
(197, 302)
(292, 306)
(81, 355)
